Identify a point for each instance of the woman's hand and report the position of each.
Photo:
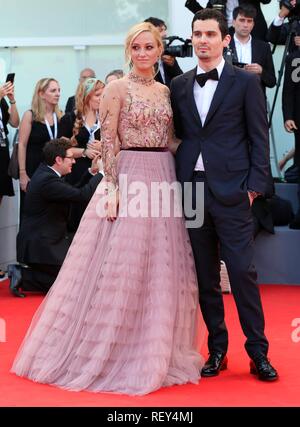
(112, 203)
(10, 92)
(95, 145)
(95, 164)
(24, 180)
(6, 90)
(290, 125)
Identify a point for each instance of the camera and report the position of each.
(219, 5)
(180, 51)
(289, 6)
(194, 6)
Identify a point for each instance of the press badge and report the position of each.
(2, 138)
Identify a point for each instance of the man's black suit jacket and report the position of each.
(260, 28)
(42, 238)
(291, 96)
(234, 140)
(70, 106)
(291, 89)
(261, 54)
(170, 73)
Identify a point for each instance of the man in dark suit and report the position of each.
(86, 73)
(168, 67)
(278, 30)
(43, 241)
(291, 113)
(256, 54)
(220, 116)
(260, 29)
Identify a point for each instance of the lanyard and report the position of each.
(1, 118)
(93, 129)
(49, 127)
(2, 132)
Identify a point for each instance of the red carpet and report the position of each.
(234, 387)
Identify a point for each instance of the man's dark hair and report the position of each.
(156, 22)
(54, 148)
(246, 10)
(205, 14)
(118, 73)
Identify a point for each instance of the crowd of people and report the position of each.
(121, 311)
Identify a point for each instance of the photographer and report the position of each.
(253, 55)
(278, 31)
(291, 113)
(168, 65)
(227, 6)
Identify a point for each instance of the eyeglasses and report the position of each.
(69, 157)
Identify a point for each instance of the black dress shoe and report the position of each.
(14, 273)
(216, 362)
(261, 367)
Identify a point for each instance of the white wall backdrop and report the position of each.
(68, 36)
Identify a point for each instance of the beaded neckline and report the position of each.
(146, 81)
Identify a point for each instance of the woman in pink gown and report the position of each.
(123, 313)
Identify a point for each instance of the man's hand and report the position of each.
(284, 11)
(254, 68)
(297, 40)
(290, 125)
(168, 60)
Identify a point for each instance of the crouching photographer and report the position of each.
(167, 65)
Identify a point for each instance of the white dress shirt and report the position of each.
(162, 70)
(243, 50)
(203, 97)
(57, 173)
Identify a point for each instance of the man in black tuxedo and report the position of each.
(260, 29)
(168, 67)
(220, 116)
(291, 113)
(43, 241)
(256, 54)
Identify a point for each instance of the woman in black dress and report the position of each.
(83, 128)
(7, 115)
(38, 126)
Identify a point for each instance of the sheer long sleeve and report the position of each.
(173, 141)
(109, 118)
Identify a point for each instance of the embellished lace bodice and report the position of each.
(134, 112)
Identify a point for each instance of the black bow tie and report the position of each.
(211, 75)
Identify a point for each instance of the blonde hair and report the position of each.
(82, 99)
(38, 105)
(135, 31)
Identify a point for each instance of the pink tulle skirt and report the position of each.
(123, 314)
